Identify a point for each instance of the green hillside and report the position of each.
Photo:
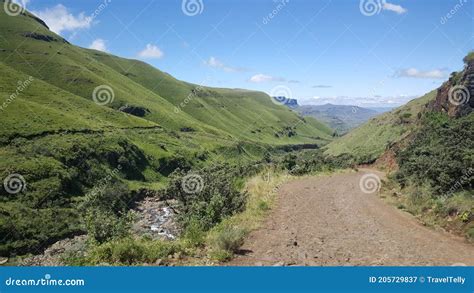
(64, 144)
(367, 142)
(30, 48)
(227, 109)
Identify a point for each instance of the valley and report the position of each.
(107, 160)
(341, 118)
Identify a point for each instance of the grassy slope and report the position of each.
(220, 108)
(233, 113)
(64, 144)
(370, 140)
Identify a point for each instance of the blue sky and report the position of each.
(336, 51)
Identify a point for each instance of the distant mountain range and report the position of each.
(341, 118)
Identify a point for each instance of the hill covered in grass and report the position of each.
(30, 49)
(88, 133)
(370, 140)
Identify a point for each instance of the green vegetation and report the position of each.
(368, 142)
(469, 58)
(436, 172)
(85, 163)
(60, 97)
(214, 221)
(441, 155)
(126, 251)
(210, 196)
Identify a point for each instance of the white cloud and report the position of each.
(151, 51)
(259, 78)
(99, 45)
(59, 19)
(415, 73)
(393, 7)
(216, 63)
(23, 3)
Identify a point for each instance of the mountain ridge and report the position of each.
(341, 118)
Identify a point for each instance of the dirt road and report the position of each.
(330, 221)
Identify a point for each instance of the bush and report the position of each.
(225, 242)
(114, 196)
(440, 155)
(132, 251)
(230, 239)
(103, 226)
(208, 197)
(221, 255)
(194, 235)
(105, 210)
(310, 161)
